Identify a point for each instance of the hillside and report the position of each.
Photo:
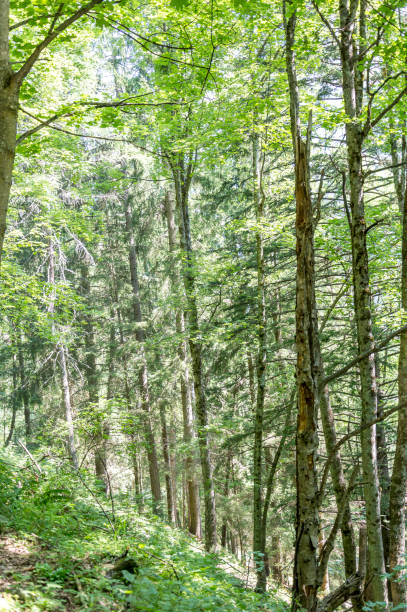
(63, 546)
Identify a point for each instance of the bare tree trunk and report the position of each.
(339, 486)
(91, 375)
(9, 93)
(14, 401)
(182, 179)
(383, 472)
(258, 535)
(352, 81)
(143, 372)
(171, 507)
(66, 394)
(305, 584)
(133, 446)
(24, 393)
(192, 489)
(172, 446)
(250, 369)
(398, 485)
(325, 580)
(223, 531)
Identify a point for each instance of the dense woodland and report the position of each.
(203, 332)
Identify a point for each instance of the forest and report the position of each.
(203, 328)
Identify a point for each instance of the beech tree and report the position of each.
(204, 283)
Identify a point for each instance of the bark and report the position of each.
(339, 487)
(171, 506)
(24, 393)
(182, 180)
(250, 369)
(276, 560)
(272, 473)
(398, 160)
(91, 375)
(192, 487)
(14, 400)
(352, 82)
(398, 485)
(9, 92)
(258, 534)
(337, 475)
(133, 446)
(325, 581)
(66, 395)
(305, 583)
(172, 442)
(383, 470)
(362, 560)
(349, 589)
(143, 371)
(223, 530)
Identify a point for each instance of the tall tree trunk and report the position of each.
(171, 506)
(14, 400)
(91, 376)
(353, 81)
(398, 485)
(182, 180)
(250, 369)
(383, 470)
(305, 584)
(9, 93)
(339, 485)
(172, 447)
(66, 396)
(24, 388)
(143, 371)
(62, 357)
(258, 536)
(223, 531)
(192, 488)
(133, 445)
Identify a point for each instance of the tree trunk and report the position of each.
(9, 93)
(258, 536)
(171, 506)
(398, 485)
(352, 81)
(66, 394)
(182, 178)
(305, 583)
(24, 393)
(223, 531)
(91, 376)
(250, 369)
(192, 488)
(383, 471)
(339, 487)
(143, 372)
(14, 400)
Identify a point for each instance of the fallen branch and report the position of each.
(35, 463)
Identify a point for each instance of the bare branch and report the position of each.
(363, 355)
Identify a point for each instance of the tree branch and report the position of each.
(52, 34)
(363, 355)
(348, 436)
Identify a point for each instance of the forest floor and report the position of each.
(62, 548)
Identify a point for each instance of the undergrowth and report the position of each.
(61, 539)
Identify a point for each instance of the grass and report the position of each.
(58, 550)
